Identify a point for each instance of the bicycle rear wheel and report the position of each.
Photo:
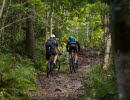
(72, 65)
(49, 68)
(57, 67)
(76, 67)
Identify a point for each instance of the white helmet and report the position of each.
(52, 36)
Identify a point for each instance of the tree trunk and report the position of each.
(30, 47)
(105, 29)
(86, 38)
(47, 18)
(107, 53)
(2, 7)
(1, 11)
(121, 48)
(51, 20)
(107, 43)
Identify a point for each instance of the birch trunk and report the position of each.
(51, 25)
(86, 38)
(107, 43)
(2, 7)
(107, 53)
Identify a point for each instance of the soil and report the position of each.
(67, 86)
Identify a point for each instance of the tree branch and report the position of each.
(13, 23)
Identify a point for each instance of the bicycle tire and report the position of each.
(76, 67)
(72, 65)
(49, 68)
(57, 67)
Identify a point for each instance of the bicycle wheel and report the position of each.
(76, 67)
(72, 64)
(49, 68)
(57, 67)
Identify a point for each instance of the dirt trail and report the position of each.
(66, 86)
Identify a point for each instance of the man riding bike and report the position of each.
(51, 44)
(73, 45)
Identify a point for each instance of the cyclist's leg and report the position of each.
(76, 54)
(70, 51)
(69, 55)
(76, 57)
(55, 56)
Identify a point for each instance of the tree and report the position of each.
(121, 49)
(30, 45)
(107, 43)
(1, 9)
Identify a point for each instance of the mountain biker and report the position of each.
(51, 46)
(73, 45)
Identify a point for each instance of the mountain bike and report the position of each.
(51, 69)
(73, 64)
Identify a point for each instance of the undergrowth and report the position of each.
(16, 77)
(101, 84)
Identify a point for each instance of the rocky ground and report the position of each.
(66, 86)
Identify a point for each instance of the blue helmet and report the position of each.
(72, 39)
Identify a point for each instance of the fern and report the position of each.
(16, 76)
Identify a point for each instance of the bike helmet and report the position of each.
(52, 36)
(72, 39)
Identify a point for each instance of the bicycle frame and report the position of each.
(72, 58)
(73, 65)
(50, 67)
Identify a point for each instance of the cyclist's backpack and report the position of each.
(49, 45)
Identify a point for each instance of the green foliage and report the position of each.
(16, 76)
(40, 56)
(101, 84)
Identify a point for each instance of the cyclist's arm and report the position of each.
(58, 48)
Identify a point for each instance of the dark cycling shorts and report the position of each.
(48, 54)
(74, 49)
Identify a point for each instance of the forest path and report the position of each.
(66, 86)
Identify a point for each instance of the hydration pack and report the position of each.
(49, 45)
(72, 45)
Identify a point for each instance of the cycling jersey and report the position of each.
(73, 46)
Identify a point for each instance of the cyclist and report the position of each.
(73, 45)
(51, 44)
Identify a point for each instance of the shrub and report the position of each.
(101, 84)
(16, 76)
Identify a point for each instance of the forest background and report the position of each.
(26, 25)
